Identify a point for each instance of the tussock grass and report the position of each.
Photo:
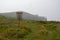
(28, 30)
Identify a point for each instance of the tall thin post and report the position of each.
(19, 17)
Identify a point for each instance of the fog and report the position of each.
(46, 8)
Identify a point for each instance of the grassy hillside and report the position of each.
(28, 30)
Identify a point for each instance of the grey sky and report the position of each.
(46, 8)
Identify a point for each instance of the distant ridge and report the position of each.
(24, 15)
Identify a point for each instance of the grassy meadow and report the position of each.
(28, 29)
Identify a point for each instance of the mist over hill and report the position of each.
(25, 15)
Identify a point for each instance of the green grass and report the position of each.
(28, 30)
